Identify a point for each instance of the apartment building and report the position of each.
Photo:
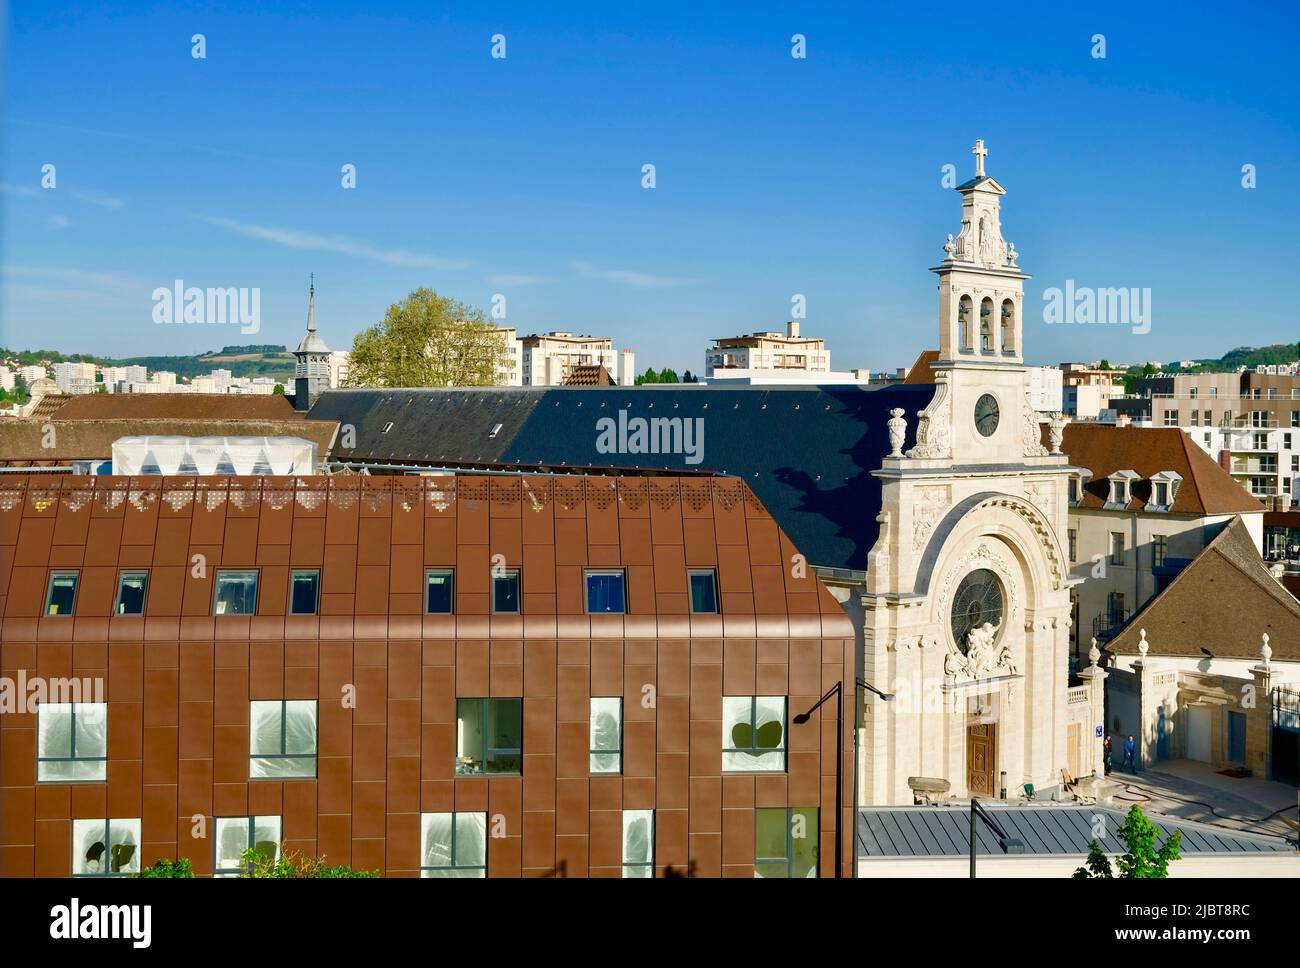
(769, 354)
(1144, 502)
(75, 377)
(548, 359)
(1249, 422)
(452, 676)
(1087, 390)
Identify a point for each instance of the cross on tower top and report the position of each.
(979, 151)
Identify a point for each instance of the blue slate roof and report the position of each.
(1065, 828)
(806, 452)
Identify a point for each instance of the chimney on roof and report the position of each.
(792, 329)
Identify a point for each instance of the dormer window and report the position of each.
(1164, 490)
(1076, 484)
(1121, 490)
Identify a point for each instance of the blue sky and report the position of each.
(775, 176)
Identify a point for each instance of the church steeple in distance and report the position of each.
(312, 372)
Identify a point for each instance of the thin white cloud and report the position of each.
(66, 286)
(103, 201)
(508, 280)
(25, 191)
(297, 239)
(627, 277)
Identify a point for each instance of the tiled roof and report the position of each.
(1057, 829)
(1105, 448)
(922, 370)
(22, 442)
(552, 527)
(589, 375)
(1224, 601)
(807, 452)
(48, 405)
(178, 406)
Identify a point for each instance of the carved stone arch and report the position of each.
(1017, 522)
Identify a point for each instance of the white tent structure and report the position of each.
(225, 456)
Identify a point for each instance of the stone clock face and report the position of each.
(979, 599)
(986, 415)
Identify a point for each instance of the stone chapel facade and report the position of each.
(967, 600)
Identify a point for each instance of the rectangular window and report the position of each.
(605, 592)
(607, 734)
(304, 591)
(1171, 418)
(489, 736)
(235, 835)
(505, 591)
(704, 591)
(236, 593)
(131, 587)
(1196, 417)
(440, 591)
(453, 845)
(638, 843)
(1074, 544)
(1295, 463)
(1159, 547)
(1286, 441)
(1161, 494)
(62, 593)
(105, 848)
(1191, 392)
(1115, 608)
(1295, 418)
(753, 734)
(282, 738)
(1117, 548)
(1214, 392)
(72, 742)
(785, 842)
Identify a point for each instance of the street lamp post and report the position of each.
(838, 692)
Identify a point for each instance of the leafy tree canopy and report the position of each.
(1142, 858)
(427, 340)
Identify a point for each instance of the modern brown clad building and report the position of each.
(448, 676)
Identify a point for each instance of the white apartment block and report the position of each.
(31, 374)
(511, 371)
(767, 353)
(8, 379)
(1046, 389)
(75, 377)
(547, 359)
(340, 362)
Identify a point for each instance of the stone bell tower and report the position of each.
(312, 372)
(967, 607)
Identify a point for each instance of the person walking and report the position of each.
(1108, 755)
(1129, 750)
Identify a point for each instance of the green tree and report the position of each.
(292, 864)
(649, 376)
(278, 391)
(167, 868)
(668, 375)
(1142, 858)
(427, 340)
